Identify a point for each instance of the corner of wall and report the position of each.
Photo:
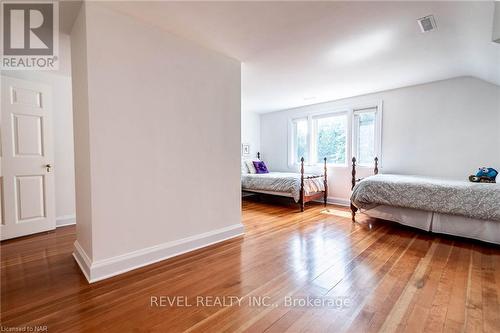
(251, 131)
(81, 131)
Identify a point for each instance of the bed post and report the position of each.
(353, 182)
(301, 201)
(325, 182)
(258, 155)
(375, 170)
(353, 173)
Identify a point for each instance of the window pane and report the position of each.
(366, 137)
(331, 136)
(300, 137)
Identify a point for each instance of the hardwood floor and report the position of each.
(366, 277)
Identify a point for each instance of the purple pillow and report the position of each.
(260, 167)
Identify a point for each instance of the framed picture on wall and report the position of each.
(245, 149)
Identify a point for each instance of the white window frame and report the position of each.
(378, 132)
(323, 111)
(292, 140)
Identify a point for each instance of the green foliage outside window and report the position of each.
(331, 139)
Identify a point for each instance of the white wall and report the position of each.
(158, 143)
(250, 131)
(445, 129)
(62, 114)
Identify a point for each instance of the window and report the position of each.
(364, 125)
(338, 136)
(330, 139)
(300, 142)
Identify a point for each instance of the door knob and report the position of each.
(48, 167)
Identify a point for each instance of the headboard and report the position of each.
(353, 179)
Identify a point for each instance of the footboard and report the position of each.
(354, 180)
(312, 196)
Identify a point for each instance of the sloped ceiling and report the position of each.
(68, 10)
(299, 53)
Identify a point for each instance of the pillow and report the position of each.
(250, 166)
(260, 167)
(244, 168)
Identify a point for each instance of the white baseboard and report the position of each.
(65, 220)
(83, 260)
(338, 201)
(102, 269)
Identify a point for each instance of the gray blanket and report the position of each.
(284, 182)
(475, 200)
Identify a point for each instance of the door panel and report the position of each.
(27, 135)
(26, 97)
(30, 194)
(28, 186)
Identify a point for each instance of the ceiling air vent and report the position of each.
(427, 23)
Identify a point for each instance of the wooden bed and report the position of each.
(446, 206)
(304, 197)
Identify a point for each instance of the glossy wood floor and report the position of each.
(393, 278)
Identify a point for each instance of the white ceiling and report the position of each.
(298, 53)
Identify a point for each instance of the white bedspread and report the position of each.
(284, 182)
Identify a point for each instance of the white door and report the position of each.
(27, 158)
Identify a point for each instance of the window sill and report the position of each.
(319, 165)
